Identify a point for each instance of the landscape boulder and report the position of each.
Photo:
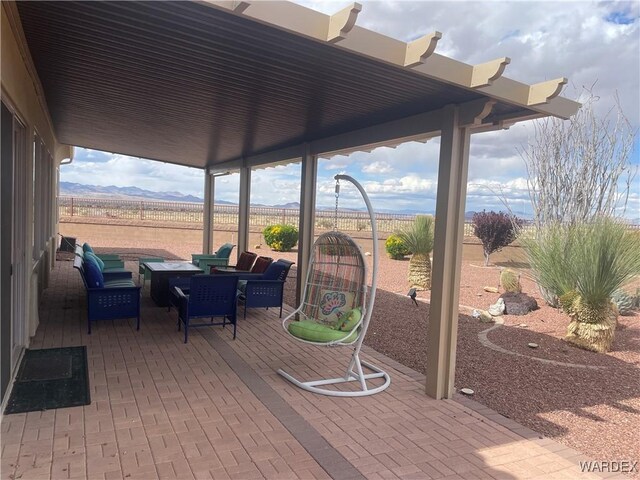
(518, 303)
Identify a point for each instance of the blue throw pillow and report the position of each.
(93, 274)
(87, 248)
(95, 258)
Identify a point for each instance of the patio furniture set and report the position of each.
(206, 287)
(335, 307)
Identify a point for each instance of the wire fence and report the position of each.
(227, 215)
(193, 213)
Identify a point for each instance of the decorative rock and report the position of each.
(467, 391)
(532, 345)
(483, 316)
(497, 308)
(257, 247)
(523, 325)
(624, 301)
(518, 303)
(491, 289)
(367, 254)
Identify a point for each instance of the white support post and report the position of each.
(309, 174)
(447, 254)
(207, 231)
(244, 204)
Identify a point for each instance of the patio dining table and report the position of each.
(161, 272)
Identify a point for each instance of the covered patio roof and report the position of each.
(228, 85)
(204, 83)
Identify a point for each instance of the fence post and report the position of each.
(284, 216)
(72, 206)
(141, 210)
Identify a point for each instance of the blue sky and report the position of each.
(588, 42)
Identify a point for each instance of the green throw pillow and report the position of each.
(348, 322)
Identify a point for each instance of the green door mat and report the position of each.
(50, 378)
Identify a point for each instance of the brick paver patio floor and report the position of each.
(216, 408)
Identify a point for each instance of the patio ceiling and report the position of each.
(201, 84)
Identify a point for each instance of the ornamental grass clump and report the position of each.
(280, 238)
(583, 265)
(419, 240)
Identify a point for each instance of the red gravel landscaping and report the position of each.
(595, 410)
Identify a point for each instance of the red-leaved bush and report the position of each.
(495, 230)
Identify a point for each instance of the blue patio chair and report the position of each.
(110, 295)
(209, 296)
(224, 252)
(266, 290)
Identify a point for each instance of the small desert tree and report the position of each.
(578, 169)
(419, 240)
(495, 230)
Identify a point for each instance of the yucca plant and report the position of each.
(583, 265)
(419, 240)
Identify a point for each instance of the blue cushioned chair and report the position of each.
(209, 296)
(266, 290)
(223, 254)
(110, 296)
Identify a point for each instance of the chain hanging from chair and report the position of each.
(335, 217)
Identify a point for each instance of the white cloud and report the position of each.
(377, 167)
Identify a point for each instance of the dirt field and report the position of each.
(586, 400)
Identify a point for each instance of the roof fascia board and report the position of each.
(417, 55)
(296, 18)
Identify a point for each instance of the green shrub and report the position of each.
(583, 265)
(281, 238)
(396, 248)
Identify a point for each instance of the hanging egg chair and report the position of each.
(336, 306)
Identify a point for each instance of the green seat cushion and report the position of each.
(316, 332)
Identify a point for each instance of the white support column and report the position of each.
(447, 254)
(244, 204)
(207, 231)
(309, 174)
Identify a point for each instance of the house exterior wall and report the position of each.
(36, 215)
